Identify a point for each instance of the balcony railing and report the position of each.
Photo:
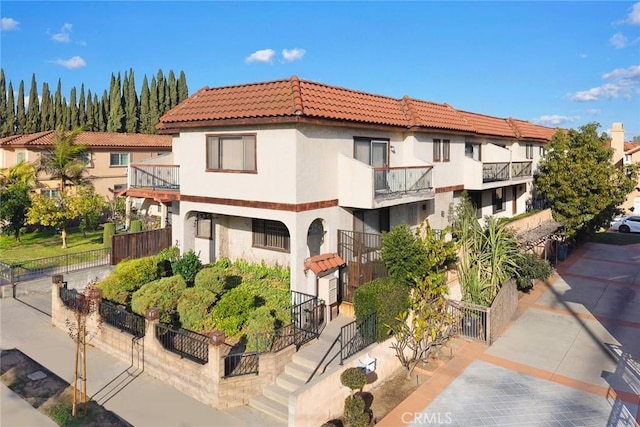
(156, 177)
(398, 181)
(495, 172)
(521, 170)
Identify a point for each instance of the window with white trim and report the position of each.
(85, 158)
(498, 200)
(119, 159)
(446, 150)
(233, 153)
(51, 193)
(204, 226)
(543, 151)
(269, 234)
(21, 156)
(529, 151)
(437, 150)
(373, 152)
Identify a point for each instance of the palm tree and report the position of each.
(22, 173)
(65, 160)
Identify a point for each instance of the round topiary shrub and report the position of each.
(213, 279)
(194, 308)
(353, 378)
(109, 230)
(232, 311)
(135, 226)
(162, 294)
(355, 414)
(387, 297)
(260, 320)
(128, 276)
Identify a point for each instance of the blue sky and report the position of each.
(553, 63)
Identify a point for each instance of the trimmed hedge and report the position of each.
(260, 320)
(162, 294)
(232, 311)
(194, 309)
(213, 279)
(387, 297)
(135, 226)
(129, 276)
(109, 230)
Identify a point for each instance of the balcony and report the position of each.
(495, 174)
(362, 186)
(161, 182)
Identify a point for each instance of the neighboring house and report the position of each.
(108, 155)
(286, 170)
(625, 153)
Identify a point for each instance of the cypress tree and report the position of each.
(21, 118)
(33, 110)
(154, 106)
(145, 124)
(116, 112)
(46, 108)
(9, 125)
(163, 101)
(66, 115)
(183, 90)
(131, 103)
(57, 107)
(102, 112)
(73, 110)
(90, 118)
(3, 103)
(82, 108)
(173, 90)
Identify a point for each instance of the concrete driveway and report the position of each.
(570, 357)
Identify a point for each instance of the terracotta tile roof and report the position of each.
(323, 262)
(283, 100)
(631, 146)
(91, 139)
(489, 125)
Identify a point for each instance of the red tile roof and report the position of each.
(293, 99)
(323, 262)
(91, 139)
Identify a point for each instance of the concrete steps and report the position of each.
(274, 400)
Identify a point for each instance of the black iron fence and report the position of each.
(70, 297)
(122, 319)
(61, 264)
(240, 364)
(307, 316)
(273, 341)
(357, 335)
(187, 344)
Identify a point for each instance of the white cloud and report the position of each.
(623, 83)
(634, 15)
(555, 120)
(264, 55)
(64, 36)
(71, 63)
(619, 40)
(592, 112)
(290, 55)
(9, 24)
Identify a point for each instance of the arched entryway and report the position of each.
(315, 237)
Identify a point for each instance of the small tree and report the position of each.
(89, 206)
(14, 205)
(53, 212)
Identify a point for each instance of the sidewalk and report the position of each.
(134, 396)
(570, 355)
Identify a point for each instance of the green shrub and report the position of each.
(135, 226)
(213, 279)
(162, 294)
(232, 311)
(128, 276)
(354, 412)
(260, 320)
(387, 297)
(353, 378)
(171, 253)
(109, 230)
(188, 266)
(194, 309)
(530, 267)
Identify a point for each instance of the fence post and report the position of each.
(489, 337)
(13, 283)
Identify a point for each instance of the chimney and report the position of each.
(617, 143)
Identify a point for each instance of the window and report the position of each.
(437, 147)
(51, 193)
(21, 156)
(543, 151)
(446, 150)
(371, 151)
(204, 226)
(231, 153)
(472, 150)
(119, 159)
(529, 151)
(270, 235)
(498, 200)
(627, 159)
(85, 157)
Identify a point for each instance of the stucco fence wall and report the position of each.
(202, 382)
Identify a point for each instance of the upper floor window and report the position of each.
(543, 151)
(627, 159)
(446, 150)
(270, 234)
(437, 150)
(235, 153)
(85, 157)
(51, 193)
(472, 150)
(119, 159)
(21, 156)
(373, 152)
(204, 226)
(529, 151)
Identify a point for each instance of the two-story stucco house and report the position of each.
(625, 153)
(108, 155)
(285, 170)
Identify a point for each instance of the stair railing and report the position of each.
(339, 352)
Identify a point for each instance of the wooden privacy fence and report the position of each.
(138, 245)
(485, 323)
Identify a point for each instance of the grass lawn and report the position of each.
(615, 238)
(46, 244)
